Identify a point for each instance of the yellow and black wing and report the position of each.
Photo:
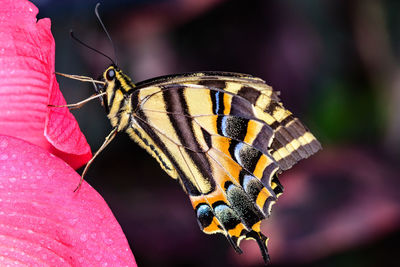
(224, 137)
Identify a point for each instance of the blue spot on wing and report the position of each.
(237, 150)
(217, 103)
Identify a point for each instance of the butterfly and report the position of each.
(223, 136)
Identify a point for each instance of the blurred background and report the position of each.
(336, 64)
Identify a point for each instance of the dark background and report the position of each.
(336, 65)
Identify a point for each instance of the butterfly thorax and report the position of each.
(117, 100)
(121, 102)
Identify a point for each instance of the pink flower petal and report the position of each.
(28, 85)
(43, 222)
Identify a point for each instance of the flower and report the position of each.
(28, 85)
(42, 221)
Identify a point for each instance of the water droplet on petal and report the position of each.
(83, 237)
(72, 221)
(108, 241)
(98, 257)
(3, 143)
(51, 172)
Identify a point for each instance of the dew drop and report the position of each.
(83, 237)
(3, 143)
(51, 172)
(73, 221)
(108, 241)
(98, 257)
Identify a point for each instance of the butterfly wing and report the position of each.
(224, 136)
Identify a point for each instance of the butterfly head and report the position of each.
(117, 86)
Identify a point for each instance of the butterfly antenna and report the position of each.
(96, 11)
(88, 46)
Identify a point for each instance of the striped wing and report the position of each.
(224, 136)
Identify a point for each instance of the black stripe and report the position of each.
(267, 203)
(219, 125)
(241, 107)
(275, 145)
(219, 84)
(274, 125)
(119, 114)
(286, 120)
(135, 100)
(297, 129)
(269, 171)
(227, 184)
(279, 189)
(281, 141)
(292, 134)
(271, 107)
(207, 137)
(242, 173)
(249, 93)
(207, 75)
(176, 106)
(217, 203)
(217, 100)
(231, 149)
(117, 85)
(283, 138)
(190, 188)
(262, 140)
(128, 82)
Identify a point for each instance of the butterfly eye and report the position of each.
(110, 75)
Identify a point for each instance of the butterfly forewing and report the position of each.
(224, 136)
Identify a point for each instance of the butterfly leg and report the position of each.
(108, 139)
(80, 103)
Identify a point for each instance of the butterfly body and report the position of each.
(223, 136)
